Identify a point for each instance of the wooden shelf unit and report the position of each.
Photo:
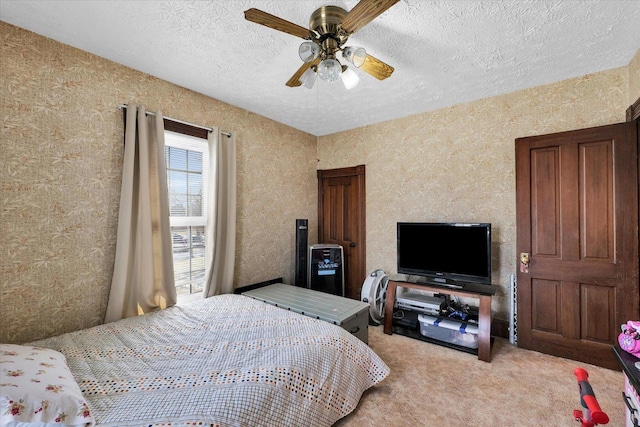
(481, 292)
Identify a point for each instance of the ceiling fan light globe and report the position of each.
(308, 78)
(329, 70)
(308, 51)
(349, 78)
(355, 55)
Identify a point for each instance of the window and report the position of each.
(187, 163)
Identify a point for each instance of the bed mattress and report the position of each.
(226, 361)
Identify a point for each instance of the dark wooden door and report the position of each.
(341, 220)
(577, 218)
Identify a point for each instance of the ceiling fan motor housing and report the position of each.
(326, 23)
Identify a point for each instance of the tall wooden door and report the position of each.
(577, 219)
(341, 220)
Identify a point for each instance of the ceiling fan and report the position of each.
(329, 29)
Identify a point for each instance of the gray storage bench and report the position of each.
(351, 315)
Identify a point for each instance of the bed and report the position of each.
(223, 361)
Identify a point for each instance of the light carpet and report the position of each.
(431, 385)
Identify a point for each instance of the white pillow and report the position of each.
(37, 387)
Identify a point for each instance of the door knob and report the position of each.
(352, 245)
(524, 262)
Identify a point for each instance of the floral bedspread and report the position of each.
(223, 361)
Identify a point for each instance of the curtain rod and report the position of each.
(151, 113)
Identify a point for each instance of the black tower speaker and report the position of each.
(302, 235)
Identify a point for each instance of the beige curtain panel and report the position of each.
(143, 278)
(221, 237)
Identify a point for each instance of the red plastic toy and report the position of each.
(591, 414)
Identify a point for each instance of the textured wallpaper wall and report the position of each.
(634, 78)
(60, 168)
(60, 171)
(458, 164)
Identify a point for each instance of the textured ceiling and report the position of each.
(443, 52)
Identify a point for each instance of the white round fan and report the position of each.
(374, 292)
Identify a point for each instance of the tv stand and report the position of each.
(463, 289)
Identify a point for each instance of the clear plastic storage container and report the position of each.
(449, 330)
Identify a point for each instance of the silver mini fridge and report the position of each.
(325, 269)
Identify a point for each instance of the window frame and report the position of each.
(180, 131)
(190, 144)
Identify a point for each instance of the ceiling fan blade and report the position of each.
(271, 21)
(376, 68)
(365, 12)
(294, 81)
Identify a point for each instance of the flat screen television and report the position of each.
(445, 251)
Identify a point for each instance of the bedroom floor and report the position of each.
(430, 385)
